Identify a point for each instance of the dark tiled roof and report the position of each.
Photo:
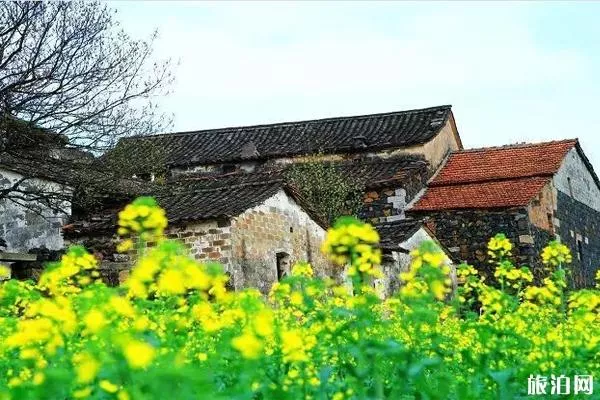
(186, 204)
(378, 173)
(31, 164)
(330, 135)
(196, 197)
(370, 172)
(36, 164)
(392, 234)
(495, 177)
(191, 200)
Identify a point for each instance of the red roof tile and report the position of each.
(494, 177)
(517, 161)
(494, 194)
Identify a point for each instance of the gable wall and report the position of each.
(584, 188)
(577, 217)
(436, 150)
(277, 225)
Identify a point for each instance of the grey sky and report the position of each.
(513, 72)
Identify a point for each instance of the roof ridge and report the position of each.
(288, 123)
(515, 146)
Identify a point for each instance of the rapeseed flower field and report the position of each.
(173, 330)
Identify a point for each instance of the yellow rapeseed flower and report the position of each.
(248, 345)
(171, 281)
(86, 367)
(138, 354)
(108, 386)
(94, 321)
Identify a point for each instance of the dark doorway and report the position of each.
(283, 265)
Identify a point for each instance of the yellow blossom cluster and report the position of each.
(352, 242)
(499, 247)
(76, 269)
(167, 270)
(143, 217)
(302, 269)
(556, 254)
(429, 272)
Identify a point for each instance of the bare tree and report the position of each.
(70, 80)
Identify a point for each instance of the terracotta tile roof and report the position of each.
(491, 194)
(331, 135)
(494, 177)
(516, 161)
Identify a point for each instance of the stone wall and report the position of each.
(277, 227)
(465, 235)
(384, 204)
(542, 208)
(579, 227)
(36, 226)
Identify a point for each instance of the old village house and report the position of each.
(530, 192)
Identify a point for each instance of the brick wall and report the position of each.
(206, 240)
(277, 226)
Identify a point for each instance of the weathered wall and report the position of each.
(388, 203)
(577, 217)
(246, 245)
(34, 226)
(542, 207)
(277, 226)
(392, 264)
(573, 178)
(206, 240)
(465, 234)
(436, 150)
(579, 228)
